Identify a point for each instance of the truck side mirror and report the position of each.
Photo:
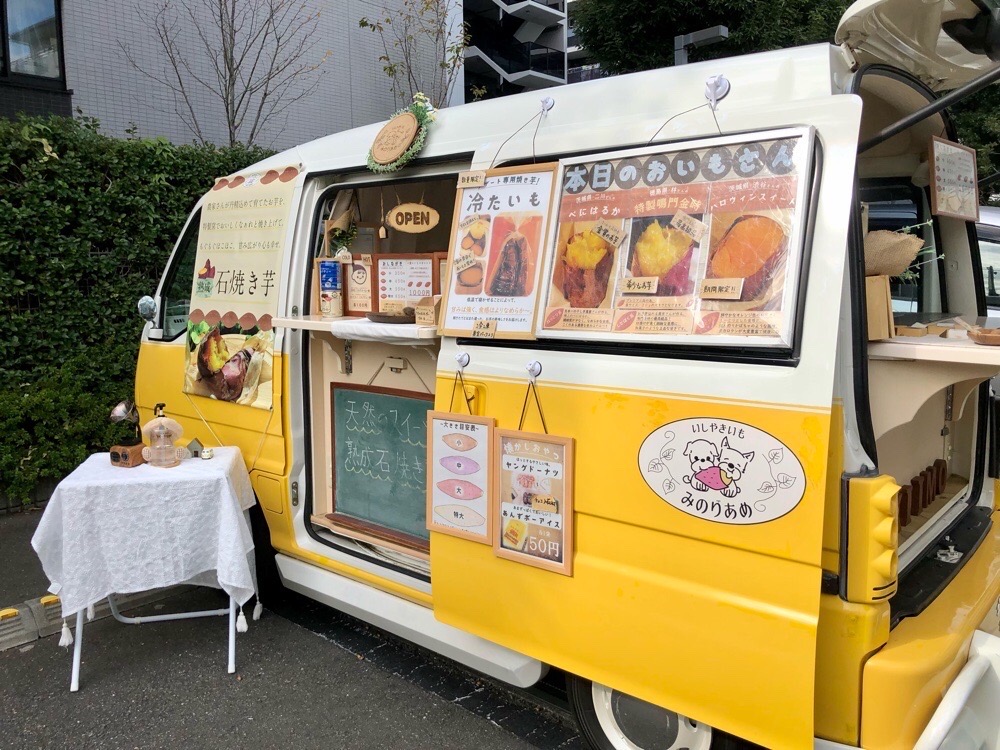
(147, 308)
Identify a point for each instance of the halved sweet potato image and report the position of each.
(212, 353)
(587, 265)
(227, 383)
(470, 280)
(666, 253)
(752, 249)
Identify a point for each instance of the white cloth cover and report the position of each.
(362, 329)
(109, 529)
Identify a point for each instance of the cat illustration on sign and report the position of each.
(716, 468)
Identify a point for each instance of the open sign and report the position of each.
(412, 217)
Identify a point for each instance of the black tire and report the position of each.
(269, 587)
(581, 699)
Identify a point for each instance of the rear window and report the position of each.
(899, 208)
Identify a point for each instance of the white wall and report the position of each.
(352, 91)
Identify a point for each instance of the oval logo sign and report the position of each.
(722, 471)
(413, 218)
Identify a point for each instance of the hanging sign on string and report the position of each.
(534, 486)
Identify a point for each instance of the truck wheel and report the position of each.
(268, 581)
(610, 720)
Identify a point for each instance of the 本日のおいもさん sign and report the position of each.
(495, 255)
(459, 451)
(243, 229)
(534, 484)
(698, 242)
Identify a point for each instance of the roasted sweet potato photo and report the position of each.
(660, 251)
(513, 253)
(753, 248)
(584, 266)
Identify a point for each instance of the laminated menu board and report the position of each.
(405, 276)
(695, 243)
(954, 180)
(495, 255)
(459, 452)
(534, 508)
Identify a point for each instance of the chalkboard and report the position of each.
(380, 455)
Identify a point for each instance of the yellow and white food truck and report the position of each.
(674, 416)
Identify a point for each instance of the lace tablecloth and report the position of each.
(111, 530)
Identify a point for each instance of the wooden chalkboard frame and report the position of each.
(569, 448)
(490, 424)
(350, 525)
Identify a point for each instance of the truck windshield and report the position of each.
(176, 294)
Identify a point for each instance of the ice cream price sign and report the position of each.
(459, 451)
(494, 259)
(954, 180)
(534, 483)
(703, 240)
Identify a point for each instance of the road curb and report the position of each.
(42, 617)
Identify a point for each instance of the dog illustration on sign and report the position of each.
(716, 468)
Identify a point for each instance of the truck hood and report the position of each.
(944, 43)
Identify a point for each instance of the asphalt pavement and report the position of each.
(307, 677)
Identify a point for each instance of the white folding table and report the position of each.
(109, 530)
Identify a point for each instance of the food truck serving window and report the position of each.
(701, 243)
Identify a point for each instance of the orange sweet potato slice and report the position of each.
(752, 249)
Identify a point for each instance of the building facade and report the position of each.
(88, 57)
(514, 46)
(62, 57)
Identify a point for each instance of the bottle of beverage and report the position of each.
(331, 292)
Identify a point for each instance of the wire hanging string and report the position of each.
(408, 364)
(537, 116)
(534, 160)
(716, 121)
(532, 389)
(673, 117)
(459, 378)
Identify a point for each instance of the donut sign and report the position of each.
(722, 471)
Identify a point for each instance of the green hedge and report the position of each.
(87, 223)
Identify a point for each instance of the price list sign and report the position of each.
(459, 450)
(534, 508)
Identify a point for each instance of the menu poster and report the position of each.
(459, 450)
(534, 508)
(688, 245)
(954, 180)
(494, 260)
(402, 277)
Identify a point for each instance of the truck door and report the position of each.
(706, 604)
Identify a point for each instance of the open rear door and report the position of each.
(945, 43)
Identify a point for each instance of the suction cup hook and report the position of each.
(716, 89)
(548, 103)
(534, 369)
(463, 359)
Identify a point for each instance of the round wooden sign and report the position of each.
(395, 138)
(412, 218)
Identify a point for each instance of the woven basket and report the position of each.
(890, 253)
